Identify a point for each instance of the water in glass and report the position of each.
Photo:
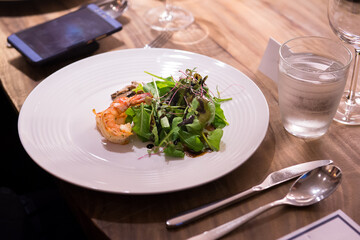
(309, 93)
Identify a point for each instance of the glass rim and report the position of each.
(320, 38)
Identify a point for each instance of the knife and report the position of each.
(271, 180)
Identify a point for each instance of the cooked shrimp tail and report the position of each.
(111, 122)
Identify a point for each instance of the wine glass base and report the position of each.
(171, 18)
(348, 113)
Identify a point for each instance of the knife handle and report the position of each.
(212, 207)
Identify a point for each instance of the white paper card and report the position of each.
(336, 226)
(269, 62)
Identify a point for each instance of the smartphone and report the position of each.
(64, 35)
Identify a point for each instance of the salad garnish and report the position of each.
(183, 116)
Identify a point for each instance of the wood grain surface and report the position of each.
(235, 32)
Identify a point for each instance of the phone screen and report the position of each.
(60, 34)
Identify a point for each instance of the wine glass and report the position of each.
(344, 19)
(168, 17)
(114, 8)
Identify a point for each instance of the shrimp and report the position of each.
(111, 122)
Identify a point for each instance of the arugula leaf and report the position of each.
(129, 115)
(220, 100)
(214, 139)
(142, 122)
(204, 110)
(164, 87)
(139, 88)
(219, 120)
(150, 88)
(174, 150)
(159, 88)
(192, 141)
(174, 125)
(194, 127)
(209, 114)
(165, 79)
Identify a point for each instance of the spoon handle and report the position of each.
(198, 212)
(230, 226)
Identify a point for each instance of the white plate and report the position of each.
(57, 126)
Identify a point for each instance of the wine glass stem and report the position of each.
(168, 4)
(354, 78)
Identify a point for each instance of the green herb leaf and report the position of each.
(194, 127)
(150, 88)
(219, 120)
(192, 141)
(204, 110)
(165, 79)
(129, 115)
(214, 139)
(142, 122)
(139, 88)
(175, 128)
(155, 134)
(174, 151)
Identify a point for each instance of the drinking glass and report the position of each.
(344, 19)
(168, 17)
(312, 78)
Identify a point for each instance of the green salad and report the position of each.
(183, 117)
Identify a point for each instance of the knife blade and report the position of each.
(271, 180)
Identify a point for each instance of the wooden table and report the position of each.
(235, 32)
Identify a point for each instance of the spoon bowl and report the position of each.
(314, 186)
(310, 188)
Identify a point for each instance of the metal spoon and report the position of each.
(310, 188)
